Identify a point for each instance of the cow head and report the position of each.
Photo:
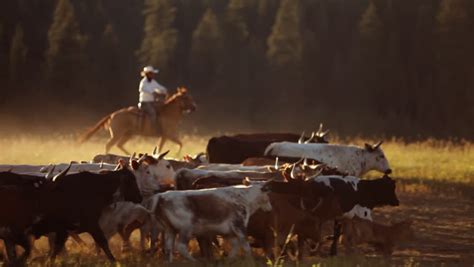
(375, 159)
(199, 159)
(262, 201)
(378, 192)
(128, 187)
(159, 167)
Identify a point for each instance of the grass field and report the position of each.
(432, 173)
(426, 160)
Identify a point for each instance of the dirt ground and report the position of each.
(443, 220)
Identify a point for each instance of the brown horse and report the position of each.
(126, 122)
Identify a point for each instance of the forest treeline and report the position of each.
(364, 67)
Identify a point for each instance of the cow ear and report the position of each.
(368, 147)
(135, 164)
(246, 181)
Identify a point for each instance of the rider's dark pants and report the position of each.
(150, 109)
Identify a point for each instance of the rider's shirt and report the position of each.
(147, 88)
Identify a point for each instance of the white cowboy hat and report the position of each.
(149, 69)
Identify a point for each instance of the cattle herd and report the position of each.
(247, 190)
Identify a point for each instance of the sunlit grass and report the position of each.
(430, 159)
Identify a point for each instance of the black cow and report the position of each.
(235, 149)
(75, 203)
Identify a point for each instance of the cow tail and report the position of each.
(87, 135)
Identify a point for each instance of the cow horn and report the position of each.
(305, 162)
(319, 169)
(313, 134)
(369, 147)
(161, 156)
(155, 150)
(377, 145)
(276, 163)
(320, 130)
(101, 165)
(317, 205)
(200, 154)
(301, 140)
(62, 173)
(292, 173)
(142, 158)
(303, 207)
(49, 175)
(131, 157)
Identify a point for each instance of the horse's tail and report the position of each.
(87, 135)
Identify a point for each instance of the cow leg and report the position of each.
(77, 239)
(143, 237)
(337, 234)
(126, 232)
(23, 241)
(100, 239)
(182, 246)
(169, 238)
(205, 246)
(59, 241)
(235, 243)
(11, 251)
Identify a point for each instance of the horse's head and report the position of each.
(184, 99)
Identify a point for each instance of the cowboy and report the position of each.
(152, 94)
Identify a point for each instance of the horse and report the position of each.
(124, 123)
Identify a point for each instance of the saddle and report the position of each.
(142, 115)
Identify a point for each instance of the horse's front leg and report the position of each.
(162, 143)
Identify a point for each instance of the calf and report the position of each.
(207, 213)
(383, 237)
(353, 160)
(123, 217)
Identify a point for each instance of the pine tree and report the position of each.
(65, 57)
(205, 50)
(455, 57)
(18, 53)
(370, 56)
(160, 37)
(285, 44)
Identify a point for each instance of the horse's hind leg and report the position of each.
(124, 139)
(111, 142)
(176, 140)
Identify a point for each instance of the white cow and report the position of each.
(354, 160)
(208, 212)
